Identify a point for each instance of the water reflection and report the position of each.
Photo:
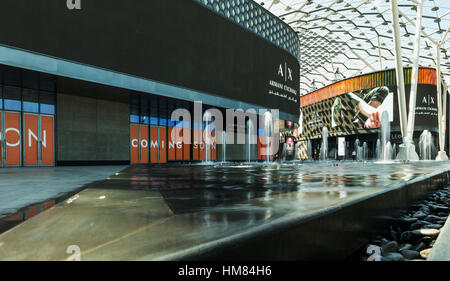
(192, 188)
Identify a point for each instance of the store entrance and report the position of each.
(38, 140)
(26, 140)
(148, 144)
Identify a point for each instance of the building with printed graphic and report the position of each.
(337, 107)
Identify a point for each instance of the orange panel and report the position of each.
(154, 144)
(201, 145)
(171, 143)
(162, 145)
(179, 143)
(195, 145)
(144, 144)
(134, 143)
(31, 139)
(186, 143)
(12, 132)
(1, 142)
(47, 205)
(32, 211)
(47, 131)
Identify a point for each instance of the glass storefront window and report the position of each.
(145, 120)
(30, 107)
(162, 108)
(47, 109)
(47, 102)
(30, 99)
(30, 79)
(134, 118)
(11, 77)
(170, 107)
(134, 108)
(47, 82)
(20, 91)
(12, 98)
(144, 110)
(154, 120)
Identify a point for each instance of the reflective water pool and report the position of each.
(158, 212)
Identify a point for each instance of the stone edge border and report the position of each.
(441, 248)
(333, 233)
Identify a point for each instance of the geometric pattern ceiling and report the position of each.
(344, 38)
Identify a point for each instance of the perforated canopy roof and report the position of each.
(344, 38)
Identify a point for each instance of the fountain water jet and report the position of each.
(208, 139)
(324, 148)
(385, 138)
(309, 149)
(249, 130)
(426, 146)
(378, 150)
(268, 130)
(224, 146)
(365, 151)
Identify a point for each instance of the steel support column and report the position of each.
(406, 149)
(399, 68)
(415, 73)
(442, 155)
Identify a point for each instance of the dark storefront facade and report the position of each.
(99, 85)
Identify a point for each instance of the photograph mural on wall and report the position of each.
(353, 105)
(360, 111)
(370, 105)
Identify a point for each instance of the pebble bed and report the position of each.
(412, 234)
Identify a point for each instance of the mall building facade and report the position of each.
(98, 85)
(336, 108)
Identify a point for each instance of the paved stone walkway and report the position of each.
(21, 187)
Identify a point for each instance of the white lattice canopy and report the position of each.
(344, 38)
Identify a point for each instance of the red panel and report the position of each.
(179, 143)
(154, 144)
(12, 132)
(31, 139)
(134, 143)
(144, 143)
(186, 143)
(171, 143)
(47, 135)
(162, 145)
